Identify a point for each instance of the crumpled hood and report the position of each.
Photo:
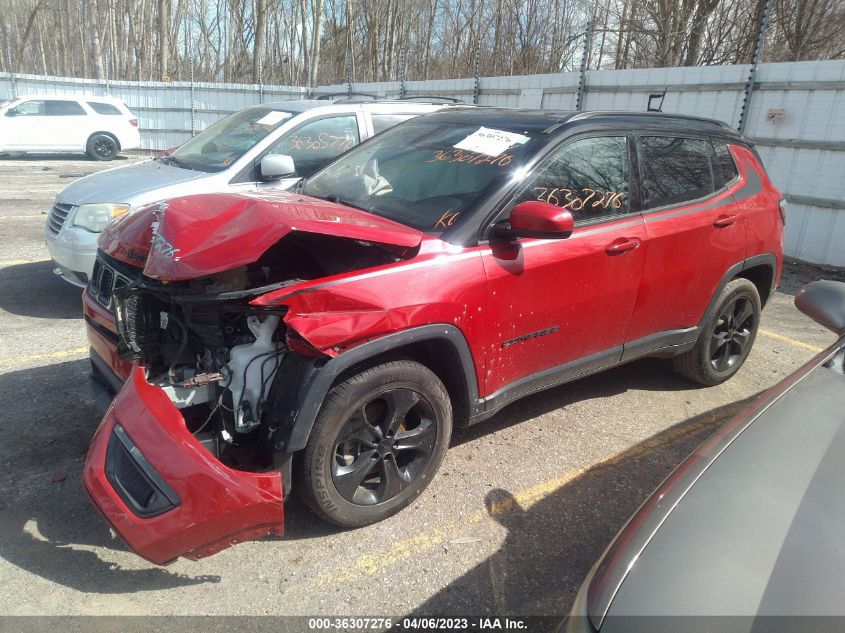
(124, 184)
(194, 236)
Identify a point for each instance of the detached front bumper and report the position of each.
(163, 492)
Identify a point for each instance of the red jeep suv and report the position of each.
(329, 338)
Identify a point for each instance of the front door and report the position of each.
(562, 307)
(26, 126)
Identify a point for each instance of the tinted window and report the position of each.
(214, 149)
(589, 177)
(726, 163)
(675, 170)
(103, 108)
(315, 144)
(30, 108)
(64, 108)
(428, 175)
(383, 121)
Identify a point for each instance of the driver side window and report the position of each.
(589, 177)
(315, 144)
(31, 108)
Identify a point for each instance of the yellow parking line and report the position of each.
(34, 358)
(370, 564)
(791, 341)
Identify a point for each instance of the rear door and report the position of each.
(695, 234)
(564, 305)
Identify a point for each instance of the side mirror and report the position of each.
(539, 219)
(824, 302)
(12, 112)
(276, 166)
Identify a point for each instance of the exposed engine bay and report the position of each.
(217, 357)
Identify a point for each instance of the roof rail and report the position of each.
(334, 95)
(586, 115)
(430, 98)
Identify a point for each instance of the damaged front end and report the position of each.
(188, 459)
(178, 466)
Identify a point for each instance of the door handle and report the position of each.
(724, 220)
(622, 245)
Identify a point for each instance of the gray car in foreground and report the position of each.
(747, 534)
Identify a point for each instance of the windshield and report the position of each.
(424, 174)
(223, 143)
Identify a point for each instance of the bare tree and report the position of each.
(312, 42)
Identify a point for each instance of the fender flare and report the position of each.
(302, 383)
(766, 259)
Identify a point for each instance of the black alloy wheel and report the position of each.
(377, 442)
(101, 147)
(383, 447)
(732, 334)
(726, 336)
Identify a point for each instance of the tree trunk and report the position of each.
(317, 7)
(258, 48)
(163, 39)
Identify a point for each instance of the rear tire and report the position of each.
(101, 147)
(377, 442)
(726, 338)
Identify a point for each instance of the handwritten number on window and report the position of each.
(568, 199)
(470, 158)
(323, 141)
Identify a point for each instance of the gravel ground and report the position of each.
(522, 507)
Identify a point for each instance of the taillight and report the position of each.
(782, 208)
(133, 122)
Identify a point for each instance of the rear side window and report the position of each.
(589, 177)
(64, 108)
(103, 108)
(727, 166)
(383, 121)
(675, 170)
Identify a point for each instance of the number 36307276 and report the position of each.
(575, 200)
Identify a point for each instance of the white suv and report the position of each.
(98, 126)
(267, 146)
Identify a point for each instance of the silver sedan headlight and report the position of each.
(95, 217)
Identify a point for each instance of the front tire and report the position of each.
(726, 338)
(377, 442)
(101, 147)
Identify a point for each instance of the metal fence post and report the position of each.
(349, 72)
(403, 57)
(755, 58)
(106, 74)
(476, 92)
(260, 81)
(193, 103)
(582, 80)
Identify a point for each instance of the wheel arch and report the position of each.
(759, 270)
(303, 383)
(762, 275)
(106, 133)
